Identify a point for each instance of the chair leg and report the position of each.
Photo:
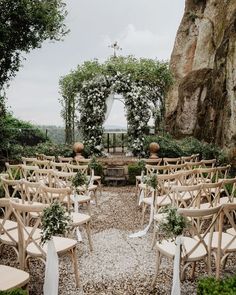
(75, 265)
(89, 207)
(158, 263)
(88, 231)
(193, 270)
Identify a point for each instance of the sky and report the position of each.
(143, 28)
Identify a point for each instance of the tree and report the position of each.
(24, 25)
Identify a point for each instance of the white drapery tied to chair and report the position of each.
(145, 230)
(51, 279)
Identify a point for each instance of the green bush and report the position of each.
(14, 292)
(172, 148)
(211, 286)
(133, 170)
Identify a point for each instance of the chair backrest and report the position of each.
(49, 158)
(211, 193)
(195, 157)
(42, 164)
(27, 234)
(206, 174)
(59, 166)
(14, 171)
(186, 159)
(29, 172)
(62, 179)
(44, 176)
(209, 163)
(51, 194)
(222, 172)
(193, 165)
(12, 188)
(159, 169)
(31, 191)
(65, 159)
(176, 167)
(76, 168)
(229, 188)
(187, 196)
(202, 223)
(28, 161)
(168, 161)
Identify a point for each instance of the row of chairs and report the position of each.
(25, 239)
(211, 234)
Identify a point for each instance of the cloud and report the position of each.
(141, 43)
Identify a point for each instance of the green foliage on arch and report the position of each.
(142, 82)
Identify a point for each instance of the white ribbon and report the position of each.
(145, 230)
(78, 234)
(51, 279)
(91, 178)
(141, 197)
(76, 203)
(176, 280)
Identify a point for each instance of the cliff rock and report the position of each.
(202, 100)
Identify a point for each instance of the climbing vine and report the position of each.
(142, 82)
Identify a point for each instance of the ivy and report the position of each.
(143, 84)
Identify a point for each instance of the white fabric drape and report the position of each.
(145, 230)
(176, 280)
(51, 279)
(109, 104)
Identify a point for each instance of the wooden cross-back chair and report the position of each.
(193, 165)
(171, 161)
(194, 246)
(12, 188)
(30, 247)
(176, 167)
(44, 176)
(186, 159)
(228, 191)
(222, 172)
(29, 172)
(62, 179)
(10, 236)
(63, 196)
(208, 163)
(205, 175)
(28, 161)
(57, 166)
(67, 160)
(223, 241)
(42, 164)
(14, 171)
(75, 168)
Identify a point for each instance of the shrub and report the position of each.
(211, 286)
(134, 170)
(14, 292)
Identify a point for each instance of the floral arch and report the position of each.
(142, 82)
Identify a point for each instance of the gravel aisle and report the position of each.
(118, 264)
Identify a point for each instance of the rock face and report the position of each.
(202, 101)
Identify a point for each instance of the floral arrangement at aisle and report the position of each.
(80, 179)
(55, 221)
(173, 224)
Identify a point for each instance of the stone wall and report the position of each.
(202, 101)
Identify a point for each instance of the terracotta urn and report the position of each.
(153, 148)
(78, 148)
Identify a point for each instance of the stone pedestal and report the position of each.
(154, 148)
(78, 148)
